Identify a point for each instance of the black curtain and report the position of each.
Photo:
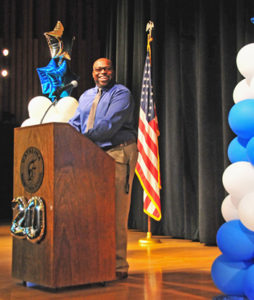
(194, 75)
(23, 23)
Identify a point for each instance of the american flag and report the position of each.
(148, 165)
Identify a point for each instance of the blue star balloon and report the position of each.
(57, 73)
(51, 77)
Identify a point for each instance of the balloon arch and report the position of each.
(233, 270)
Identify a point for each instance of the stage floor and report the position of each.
(172, 269)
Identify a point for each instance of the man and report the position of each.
(113, 130)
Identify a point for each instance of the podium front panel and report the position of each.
(78, 189)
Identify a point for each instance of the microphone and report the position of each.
(72, 84)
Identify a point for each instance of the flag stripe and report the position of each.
(149, 196)
(144, 138)
(148, 164)
(147, 168)
(149, 128)
(151, 192)
(148, 178)
(150, 209)
(156, 211)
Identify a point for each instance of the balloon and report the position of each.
(62, 111)
(37, 106)
(66, 107)
(250, 150)
(241, 119)
(238, 179)
(57, 73)
(249, 283)
(246, 211)
(251, 84)
(51, 77)
(229, 275)
(53, 117)
(242, 91)
(236, 241)
(244, 60)
(237, 150)
(229, 210)
(60, 43)
(235, 201)
(50, 115)
(29, 122)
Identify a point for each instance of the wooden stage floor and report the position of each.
(172, 269)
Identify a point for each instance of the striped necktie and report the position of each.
(91, 117)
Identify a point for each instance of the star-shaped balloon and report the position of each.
(59, 44)
(51, 77)
(57, 73)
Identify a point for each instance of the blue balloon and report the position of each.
(52, 77)
(237, 150)
(229, 275)
(236, 241)
(241, 119)
(224, 297)
(250, 150)
(249, 283)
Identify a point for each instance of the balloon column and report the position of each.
(53, 78)
(233, 270)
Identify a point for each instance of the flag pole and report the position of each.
(149, 240)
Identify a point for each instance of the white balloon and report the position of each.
(252, 85)
(245, 60)
(41, 110)
(37, 106)
(246, 211)
(29, 122)
(229, 210)
(242, 91)
(238, 179)
(66, 107)
(235, 201)
(52, 116)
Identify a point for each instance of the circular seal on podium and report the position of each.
(32, 169)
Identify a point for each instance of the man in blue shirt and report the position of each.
(113, 129)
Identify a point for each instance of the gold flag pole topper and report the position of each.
(149, 28)
(149, 240)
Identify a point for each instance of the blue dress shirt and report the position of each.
(114, 120)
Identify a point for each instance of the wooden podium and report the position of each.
(78, 189)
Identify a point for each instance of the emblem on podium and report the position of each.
(32, 169)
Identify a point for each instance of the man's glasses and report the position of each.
(102, 68)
